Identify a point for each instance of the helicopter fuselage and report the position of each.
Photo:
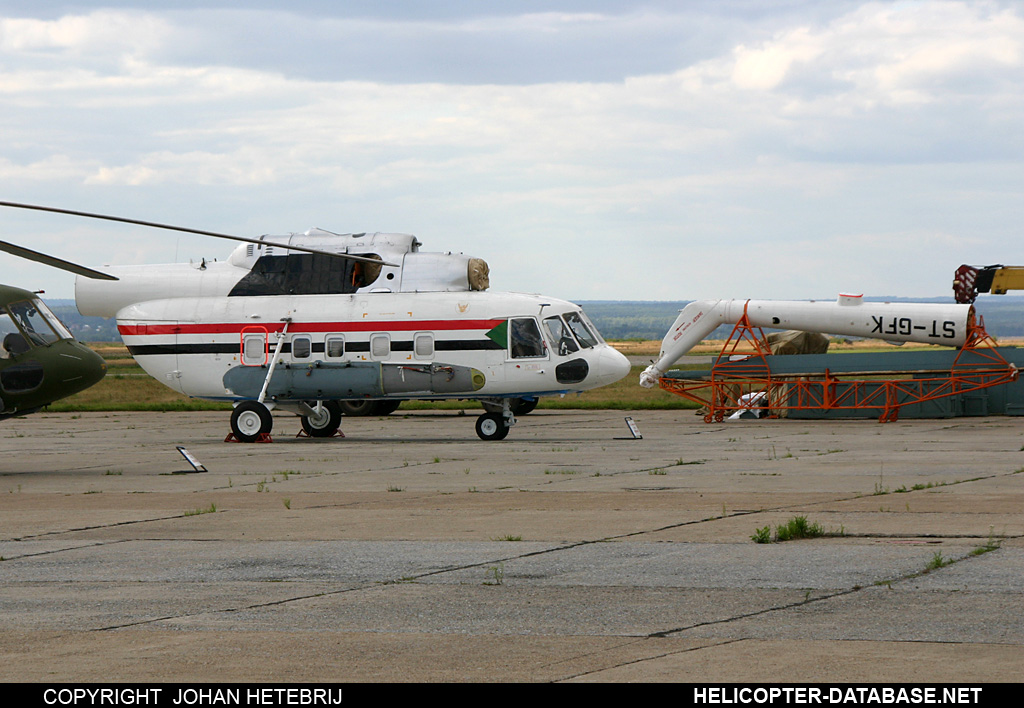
(40, 362)
(370, 345)
(306, 320)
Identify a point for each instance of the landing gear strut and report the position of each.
(251, 420)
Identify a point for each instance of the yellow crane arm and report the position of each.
(997, 279)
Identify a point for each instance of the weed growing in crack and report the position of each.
(796, 528)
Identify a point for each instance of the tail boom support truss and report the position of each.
(741, 379)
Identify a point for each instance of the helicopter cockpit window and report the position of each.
(524, 338)
(12, 342)
(590, 326)
(38, 325)
(561, 336)
(580, 329)
(58, 326)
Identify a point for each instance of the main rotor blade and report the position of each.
(53, 261)
(168, 227)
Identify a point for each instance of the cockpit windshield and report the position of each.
(561, 337)
(570, 331)
(29, 323)
(580, 329)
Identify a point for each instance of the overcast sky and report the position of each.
(586, 150)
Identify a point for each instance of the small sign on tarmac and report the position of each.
(197, 466)
(632, 429)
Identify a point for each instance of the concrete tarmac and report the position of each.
(412, 551)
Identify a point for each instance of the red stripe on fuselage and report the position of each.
(340, 327)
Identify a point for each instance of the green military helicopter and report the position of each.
(40, 360)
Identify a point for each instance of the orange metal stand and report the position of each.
(734, 384)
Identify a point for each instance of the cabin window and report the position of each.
(561, 336)
(302, 347)
(254, 349)
(335, 347)
(424, 346)
(524, 338)
(380, 346)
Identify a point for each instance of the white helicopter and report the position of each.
(303, 322)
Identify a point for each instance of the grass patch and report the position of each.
(495, 575)
(937, 562)
(992, 544)
(208, 510)
(796, 528)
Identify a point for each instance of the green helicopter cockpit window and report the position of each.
(26, 324)
(12, 342)
(54, 321)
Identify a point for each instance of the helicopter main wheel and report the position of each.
(358, 409)
(491, 426)
(522, 406)
(249, 420)
(387, 407)
(324, 425)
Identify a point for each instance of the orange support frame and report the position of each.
(735, 387)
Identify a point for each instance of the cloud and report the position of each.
(673, 134)
(765, 67)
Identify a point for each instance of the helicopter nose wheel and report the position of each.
(250, 421)
(491, 426)
(325, 424)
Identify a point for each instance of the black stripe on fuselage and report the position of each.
(318, 347)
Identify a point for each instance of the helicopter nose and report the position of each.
(611, 366)
(81, 368)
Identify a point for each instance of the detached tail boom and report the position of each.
(849, 315)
